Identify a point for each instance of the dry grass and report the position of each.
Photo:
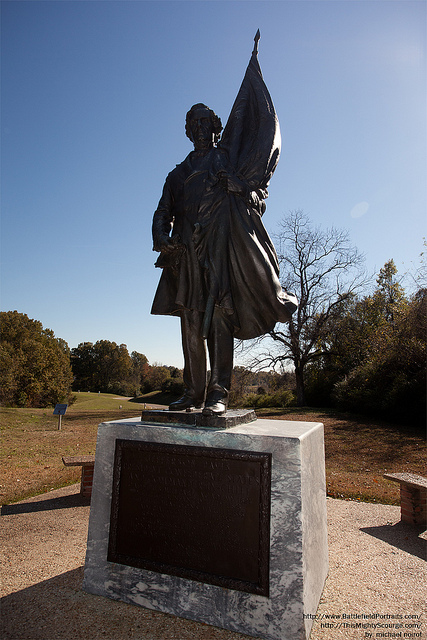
(358, 450)
(32, 446)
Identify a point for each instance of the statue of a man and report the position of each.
(220, 269)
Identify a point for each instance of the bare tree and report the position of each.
(323, 269)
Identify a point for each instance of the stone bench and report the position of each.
(413, 496)
(87, 464)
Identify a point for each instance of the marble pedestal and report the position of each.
(298, 561)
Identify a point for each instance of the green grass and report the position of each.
(86, 401)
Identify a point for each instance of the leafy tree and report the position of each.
(391, 379)
(140, 370)
(83, 366)
(175, 372)
(324, 271)
(175, 386)
(35, 366)
(106, 366)
(389, 296)
(343, 346)
(114, 366)
(241, 378)
(175, 383)
(281, 381)
(158, 376)
(353, 334)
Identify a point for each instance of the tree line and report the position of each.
(109, 368)
(350, 344)
(38, 370)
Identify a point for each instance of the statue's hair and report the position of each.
(216, 121)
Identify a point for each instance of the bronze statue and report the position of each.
(220, 269)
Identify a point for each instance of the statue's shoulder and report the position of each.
(181, 169)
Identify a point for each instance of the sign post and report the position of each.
(59, 411)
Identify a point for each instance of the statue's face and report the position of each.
(201, 128)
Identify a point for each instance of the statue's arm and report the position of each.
(232, 184)
(163, 221)
(253, 196)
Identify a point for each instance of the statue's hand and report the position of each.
(232, 184)
(163, 244)
(257, 203)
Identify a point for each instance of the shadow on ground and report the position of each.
(62, 502)
(401, 535)
(58, 609)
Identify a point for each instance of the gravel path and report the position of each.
(377, 566)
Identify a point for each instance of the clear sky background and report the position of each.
(94, 96)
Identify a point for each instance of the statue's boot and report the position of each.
(216, 403)
(185, 402)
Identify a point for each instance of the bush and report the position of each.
(284, 398)
(381, 391)
(174, 386)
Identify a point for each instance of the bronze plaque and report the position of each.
(195, 512)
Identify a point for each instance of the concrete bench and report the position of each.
(87, 464)
(413, 496)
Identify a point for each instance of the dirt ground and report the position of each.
(377, 576)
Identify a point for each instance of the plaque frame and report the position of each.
(201, 454)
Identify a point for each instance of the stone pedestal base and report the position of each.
(286, 458)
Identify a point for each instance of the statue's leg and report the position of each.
(220, 346)
(194, 350)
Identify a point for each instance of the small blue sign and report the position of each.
(60, 410)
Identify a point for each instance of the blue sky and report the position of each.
(94, 96)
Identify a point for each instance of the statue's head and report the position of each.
(202, 126)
